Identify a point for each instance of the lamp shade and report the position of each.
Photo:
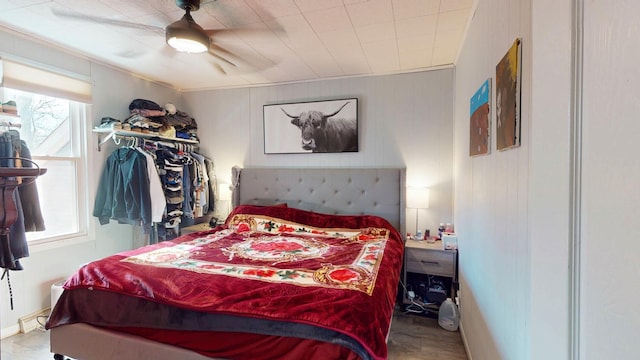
(224, 191)
(417, 197)
(185, 35)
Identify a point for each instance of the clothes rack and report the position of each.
(9, 124)
(184, 184)
(118, 135)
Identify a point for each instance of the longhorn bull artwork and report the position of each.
(324, 133)
(324, 127)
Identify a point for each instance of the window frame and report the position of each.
(79, 116)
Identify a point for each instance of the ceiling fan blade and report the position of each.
(215, 51)
(222, 59)
(241, 32)
(130, 53)
(101, 20)
(219, 68)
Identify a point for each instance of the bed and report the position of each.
(306, 266)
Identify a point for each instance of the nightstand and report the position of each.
(422, 259)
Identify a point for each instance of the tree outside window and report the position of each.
(52, 129)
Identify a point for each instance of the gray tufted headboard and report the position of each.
(349, 191)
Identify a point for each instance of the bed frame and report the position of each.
(350, 191)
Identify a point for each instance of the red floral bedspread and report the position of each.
(335, 272)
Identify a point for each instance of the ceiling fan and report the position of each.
(184, 35)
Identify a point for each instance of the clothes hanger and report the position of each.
(116, 139)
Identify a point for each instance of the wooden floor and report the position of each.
(412, 337)
(416, 337)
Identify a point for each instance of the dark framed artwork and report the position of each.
(328, 126)
(479, 120)
(508, 85)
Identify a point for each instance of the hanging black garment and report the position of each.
(33, 220)
(13, 241)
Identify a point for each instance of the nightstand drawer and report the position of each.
(431, 262)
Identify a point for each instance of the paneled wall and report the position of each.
(548, 231)
(404, 120)
(492, 194)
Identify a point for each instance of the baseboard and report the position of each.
(464, 342)
(9, 331)
(30, 322)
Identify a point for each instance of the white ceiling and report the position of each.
(271, 41)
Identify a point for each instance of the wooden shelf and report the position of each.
(9, 115)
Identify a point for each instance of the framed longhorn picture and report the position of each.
(329, 126)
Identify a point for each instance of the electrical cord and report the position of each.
(415, 307)
(42, 322)
(405, 288)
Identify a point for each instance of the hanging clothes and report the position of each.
(13, 243)
(211, 184)
(177, 189)
(200, 185)
(171, 167)
(158, 200)
(187, 204)
(15, 153)
(29, 199)
(123, 191)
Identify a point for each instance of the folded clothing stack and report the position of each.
(9, 107)
(145, 116)
(142, 124)
(183, 125)
(110, 124)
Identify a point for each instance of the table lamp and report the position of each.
(224, 199)
(417, 198)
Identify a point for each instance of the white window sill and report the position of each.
(37, 246)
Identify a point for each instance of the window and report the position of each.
(53, 130)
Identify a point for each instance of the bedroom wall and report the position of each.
(113, 90)
(518, 233)
(404, 120)
(491, 194)
(512, 208)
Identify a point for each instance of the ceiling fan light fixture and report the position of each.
(185, 35)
